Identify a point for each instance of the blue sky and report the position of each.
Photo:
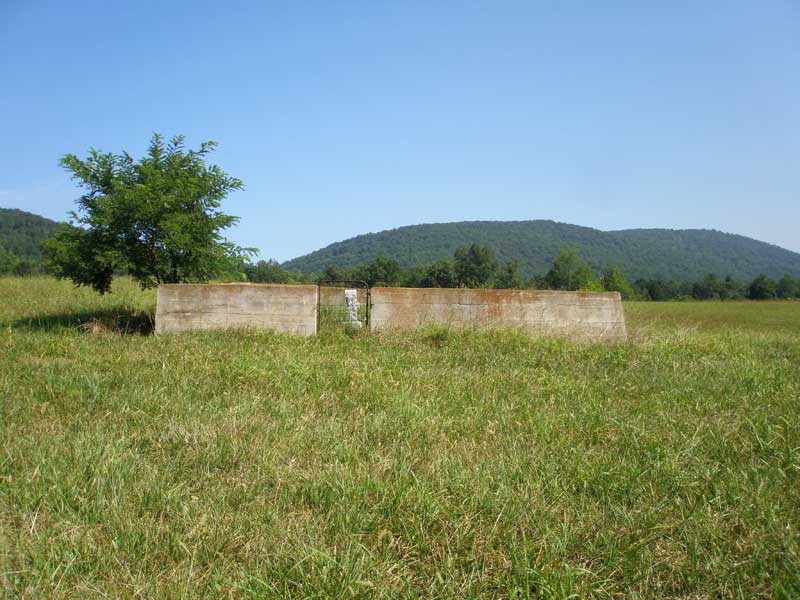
(349, 117)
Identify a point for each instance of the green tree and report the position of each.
(332, 273)
(474, 266)
(7, 262)
(762, 288)
(157, 218)
(587, 282)
(787, 287)
(508, 278)
(439, 275)
(25, 268)
(614, 281)
(730, 289)
(414, 276)
(569, 272)
(708, 288)
(266, 271)
(380, 271)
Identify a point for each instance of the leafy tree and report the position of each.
(439, 274)
(730, 289)
(333, 273)
(787, 287)
(587, 282)
(414, 276)
(380, 271)
(563, 274)
(474, 266)
(266, 271)
(25, 268)
(537, 282)
(508, 277)
(157, 218)
(569, 272)
(707, 288)
(762, 288)
(7, 262)
(614, 281)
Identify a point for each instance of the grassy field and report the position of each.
(435, 464)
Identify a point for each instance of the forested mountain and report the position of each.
(641, 253)
(21, 232)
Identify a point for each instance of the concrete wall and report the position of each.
(283, 308)
(293, 309)
(576, 315)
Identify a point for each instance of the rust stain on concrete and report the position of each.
(576, 315)
(293, 309)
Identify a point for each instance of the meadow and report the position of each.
(436, 463)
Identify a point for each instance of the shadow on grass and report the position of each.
(119, 321)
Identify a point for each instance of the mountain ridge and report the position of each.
(680, 254)
(21, 232)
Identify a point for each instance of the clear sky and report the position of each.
(344, 117)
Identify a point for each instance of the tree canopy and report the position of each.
(614, 281)
(762, 288)
(570, 272)
(474, 266)
(157, 218)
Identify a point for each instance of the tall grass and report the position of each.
(437, 463)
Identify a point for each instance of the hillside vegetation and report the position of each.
(640, 253)
(21, 233)
(436, 463)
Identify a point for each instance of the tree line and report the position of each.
(11, 264)
(476, 266)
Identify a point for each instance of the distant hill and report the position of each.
(21, 232)
(681, 254)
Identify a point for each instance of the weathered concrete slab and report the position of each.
(283, 308)
(594, 316)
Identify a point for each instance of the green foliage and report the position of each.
(431, 464)
(614, 281)
(266, 272)
(380, 271)
(680, 255)
(762, 288)
(508, 278)
(157, 218)
(708, 288)
(570, 272)
(731, 289)
(20, 236)
(7, 262)
(12, 265)
(787, 287)
(21, 233)
(589, 283)
(474, 266)
(414, 276)
(334, 273)
(439, 274)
